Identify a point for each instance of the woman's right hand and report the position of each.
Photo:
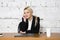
(24, 18)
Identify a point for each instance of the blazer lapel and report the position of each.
(33, 22)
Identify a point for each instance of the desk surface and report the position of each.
(10, 36)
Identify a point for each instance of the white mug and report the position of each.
(48, 32)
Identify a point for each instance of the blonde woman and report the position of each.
(30, 23)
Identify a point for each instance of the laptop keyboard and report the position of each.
(23, 35)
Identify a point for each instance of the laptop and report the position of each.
(24, 35)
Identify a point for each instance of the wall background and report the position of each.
(11, 12)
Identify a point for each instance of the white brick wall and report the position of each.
(11, 12)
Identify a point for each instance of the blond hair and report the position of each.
(36, 20)
(30, 9)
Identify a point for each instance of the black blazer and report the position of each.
(24, 25)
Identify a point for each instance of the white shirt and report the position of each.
(29, 24)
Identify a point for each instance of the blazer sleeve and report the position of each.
(18, 28)
(22, 26)
(38, 25)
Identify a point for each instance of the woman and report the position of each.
(30, 23)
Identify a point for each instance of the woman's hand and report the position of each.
(24, 17)
(22, 32)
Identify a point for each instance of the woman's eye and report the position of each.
(27, 12)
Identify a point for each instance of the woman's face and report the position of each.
(27, 13)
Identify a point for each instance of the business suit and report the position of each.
(23, 26)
